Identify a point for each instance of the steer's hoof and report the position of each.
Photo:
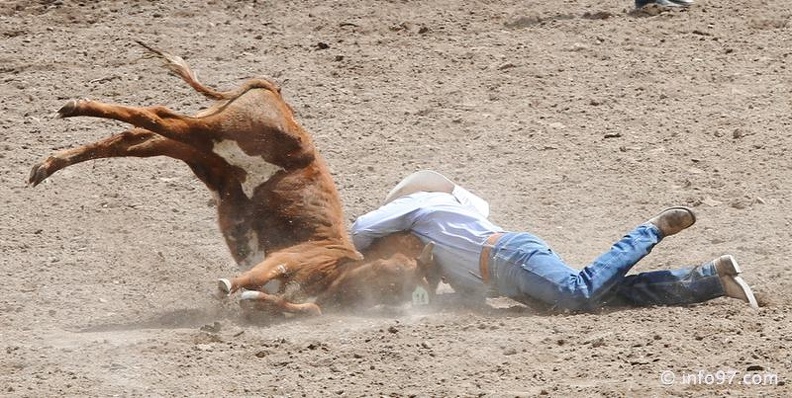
(310, 309)
(70, 109)
(37, 174)
(250, 295)
(224, 286)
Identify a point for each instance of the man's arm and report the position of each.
(393, 217)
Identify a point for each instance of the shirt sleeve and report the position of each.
(393, 217)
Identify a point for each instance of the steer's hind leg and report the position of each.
(135, 142)
(158, 119)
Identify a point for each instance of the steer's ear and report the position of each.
(428, 269)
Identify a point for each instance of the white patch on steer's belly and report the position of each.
(257, 169)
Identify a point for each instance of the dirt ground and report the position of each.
(577, 120)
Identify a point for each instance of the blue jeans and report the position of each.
(524, 268)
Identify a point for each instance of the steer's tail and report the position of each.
(178, 66)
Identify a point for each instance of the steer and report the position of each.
(278, 208)
(394, 267)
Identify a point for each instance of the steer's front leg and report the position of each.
(271, 301)
(277, 266)
(311, 266)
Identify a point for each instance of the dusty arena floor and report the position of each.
(576, 119)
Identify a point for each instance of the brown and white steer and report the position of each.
(278, 208)
(394, 266)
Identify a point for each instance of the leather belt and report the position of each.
(486, 248)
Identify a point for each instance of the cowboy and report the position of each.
(477, 256)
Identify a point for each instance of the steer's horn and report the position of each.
(426, 256)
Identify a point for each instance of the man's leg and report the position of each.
(719, 277)
(524, 266)
(667, 287)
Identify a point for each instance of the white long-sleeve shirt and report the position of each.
(456, 222)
